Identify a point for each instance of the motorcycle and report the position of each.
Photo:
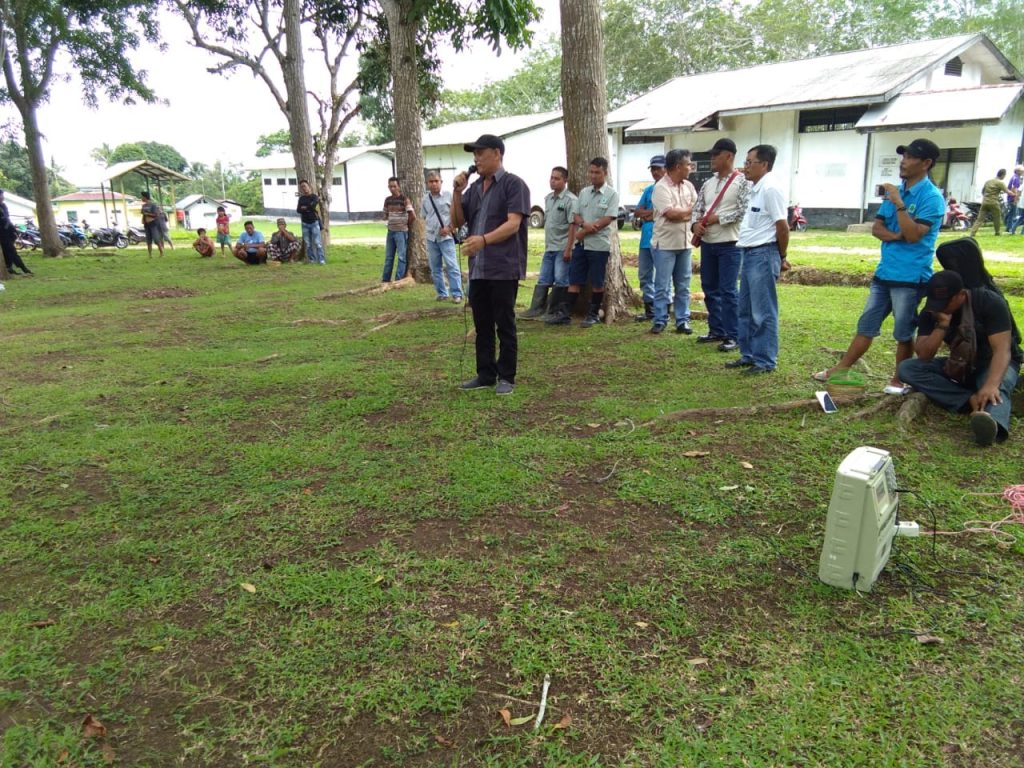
(28, 237)
(958, 216)
(136, 235)
(70, 235)
(105, 237)
(796, 218)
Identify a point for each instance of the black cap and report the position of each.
(920, 148)
(487, 141)
(658, 161)
(724, 145)
(942, 287)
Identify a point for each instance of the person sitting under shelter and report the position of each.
(250, 246)
(982, 368)
(203, 245)
(284, 246)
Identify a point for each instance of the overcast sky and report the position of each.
(208, 117)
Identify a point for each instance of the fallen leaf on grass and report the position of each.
(697, 661)
(248, 587)
(593, 426)
(565, 722)
(506, 716)
(93, 728)
(728, 488)
(154, 560)
(452, 624)
(63, 756)
(443, 741)
(929, 640)
(696, 454)
(268, 358)
(522, 720)
(641, 624)
(746, 465)
(41, 624)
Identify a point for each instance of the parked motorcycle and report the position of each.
(958, 216)
(136, 235)
(105, 237)
(70, 234)
(797, 220)
(28, 237)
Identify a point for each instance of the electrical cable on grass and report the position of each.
(1014, 495)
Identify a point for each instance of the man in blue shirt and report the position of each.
(250, 246)
(644, 211)
(908, 224)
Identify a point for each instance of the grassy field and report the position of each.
(247, 520)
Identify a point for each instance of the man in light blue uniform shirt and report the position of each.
(437, 218)
(908, 224)
(644, 211)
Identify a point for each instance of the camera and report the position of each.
(880, 190)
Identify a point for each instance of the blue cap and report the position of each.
(658, 161)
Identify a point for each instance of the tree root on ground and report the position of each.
(391, 318)
(756, 410)
(370, 290)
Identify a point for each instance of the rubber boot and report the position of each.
(648, 313)
(537, 306)
(554, 300)
(594, 312)
(563, 311)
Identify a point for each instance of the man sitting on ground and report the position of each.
(203, 244)
(977, 377)
(284, 246)
(250, 247)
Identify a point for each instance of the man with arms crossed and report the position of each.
(645, 256)
(554, 266)
(495, 207)
(763, 240)
(672, 203)
(718, 230)
(908, 224)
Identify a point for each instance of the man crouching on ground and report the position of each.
(978, 376)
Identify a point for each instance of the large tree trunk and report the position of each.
(408, 140)
(585, 111)
(300, 132)
(40, 183)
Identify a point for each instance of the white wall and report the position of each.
(998, 148)
(829, 171)
(634, 174)
(884, 163)
(367, 185)
(204, 214)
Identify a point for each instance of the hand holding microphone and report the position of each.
(462, 179)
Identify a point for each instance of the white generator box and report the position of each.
(861, 520)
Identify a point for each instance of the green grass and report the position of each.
(421, 557)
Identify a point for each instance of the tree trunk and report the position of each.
(299, 130)
(408, 126)
(40, 183)
(585, 111)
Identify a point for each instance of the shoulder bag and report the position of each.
(695, 242)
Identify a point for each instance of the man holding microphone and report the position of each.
(495, 208)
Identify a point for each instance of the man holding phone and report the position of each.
(907, 223)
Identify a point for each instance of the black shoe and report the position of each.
(647, 315)
(559, 318)
(728, 345)
(740, 363)
(684, 327)
(590, 320)
(657, 328)
(476, 383)
(708, 338)
(754, 370)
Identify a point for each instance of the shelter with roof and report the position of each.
(154, 175)
(837, 120)
(359, 182)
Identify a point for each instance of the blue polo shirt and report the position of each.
(647, 230)
(911, 263)
(246, 239)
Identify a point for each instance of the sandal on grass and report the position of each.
(820, 375)
(893, 389)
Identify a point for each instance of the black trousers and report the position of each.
(494, 310)
(11, 256)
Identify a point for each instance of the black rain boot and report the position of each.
(540, 300)
(563, 311)
(594, 312)
(554, 299)
(648, 313)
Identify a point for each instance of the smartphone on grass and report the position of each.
(828, 405)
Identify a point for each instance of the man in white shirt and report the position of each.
(763, 241)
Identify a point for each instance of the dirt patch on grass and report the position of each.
(168, 293)
(815, 276)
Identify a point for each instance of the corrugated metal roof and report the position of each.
(146, 168)
(858, 77)
(470, 130)
(988, 103)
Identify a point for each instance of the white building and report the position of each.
(534, 144)
(197, 211)
(20, 208)
(359, 183)
(837, 120)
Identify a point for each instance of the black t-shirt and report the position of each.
(307, 208)
(991, 316)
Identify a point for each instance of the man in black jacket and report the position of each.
(994, 367)
(8, 236)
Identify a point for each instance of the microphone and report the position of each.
(471, 170)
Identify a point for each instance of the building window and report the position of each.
(281, 182)
(954, 67)
(337, 181)
(826, 120)
(267, 182)
(948, 158)
(292, 182)
(626, 139)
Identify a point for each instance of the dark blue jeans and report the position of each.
(719, 273)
